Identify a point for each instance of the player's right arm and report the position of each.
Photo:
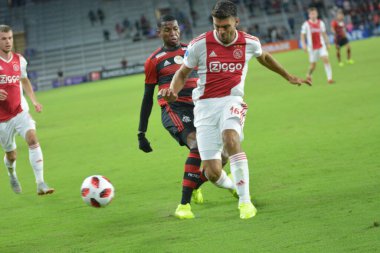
(303, 37)
(147, 105)
(177, 84)
(3, 94)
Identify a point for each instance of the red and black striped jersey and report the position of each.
(160, 68)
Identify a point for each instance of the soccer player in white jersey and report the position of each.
(315, 42)
(14, 113)
(222, 57)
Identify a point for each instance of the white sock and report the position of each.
(37, 162)
(240, 172)
(225, 182)
(328, 71)
(11, 167)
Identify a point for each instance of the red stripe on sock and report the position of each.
(192, 155)
(192, 169)
(34, 146)
(189, 183)
(238, 157)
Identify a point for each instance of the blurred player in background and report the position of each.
(176, 117)
(317, 44)
(14, 113)
(340, 37)
(221, 57)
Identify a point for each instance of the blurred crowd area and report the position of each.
(360, 14)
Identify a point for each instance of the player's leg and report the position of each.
(313, 57)
(328, 69)
(239, 168)
(324, 55)
(348, 48)
(193, 177)
(232, 125)
(10, 164)
(8, 143)
(37, 162)
(178, 121)
(210, 148)
(340, 63)
(25, 126)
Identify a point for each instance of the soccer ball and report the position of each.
(97, 191)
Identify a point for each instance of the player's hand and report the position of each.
(38, 107)
(3, 95)
(168, 95)
(144, 144)
(298, 81)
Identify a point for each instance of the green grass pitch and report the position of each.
(313, 155)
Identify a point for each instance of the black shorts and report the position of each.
(178, 119)
(340, 42)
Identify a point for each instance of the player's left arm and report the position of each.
(27, 87)
(267, 60)
(324, 34)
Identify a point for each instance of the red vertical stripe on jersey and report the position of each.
(224, 66)
(315, 29)
(10, 74)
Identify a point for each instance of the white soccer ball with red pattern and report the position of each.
(97, 191)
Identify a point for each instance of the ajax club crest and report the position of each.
(238, 53)
(16, 67)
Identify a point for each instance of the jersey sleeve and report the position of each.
(191, 56)
(304, 28)
(23, 64)
(254, 46)
(323, 26)
(150, 72)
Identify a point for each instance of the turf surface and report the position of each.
(314, 165)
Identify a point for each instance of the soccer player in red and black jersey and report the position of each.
(340, 37)
(176, 117)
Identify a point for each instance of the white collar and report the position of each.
(7, 61)
(221, 43)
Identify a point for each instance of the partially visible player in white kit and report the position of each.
(222, 59)
(315, 42)
(14, 113)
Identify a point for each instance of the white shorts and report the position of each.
(19, 124)
(314, 55)
(214, 115)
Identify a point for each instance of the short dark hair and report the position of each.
(5, 28)
(165, 18)
(312, 9)
(224, 9)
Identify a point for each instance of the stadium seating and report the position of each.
(63, 38)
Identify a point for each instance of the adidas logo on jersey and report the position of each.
(1, 68)
(166, 63)
(212, 54)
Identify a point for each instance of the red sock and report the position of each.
(191, 176)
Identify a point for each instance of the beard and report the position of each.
(6, 50)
